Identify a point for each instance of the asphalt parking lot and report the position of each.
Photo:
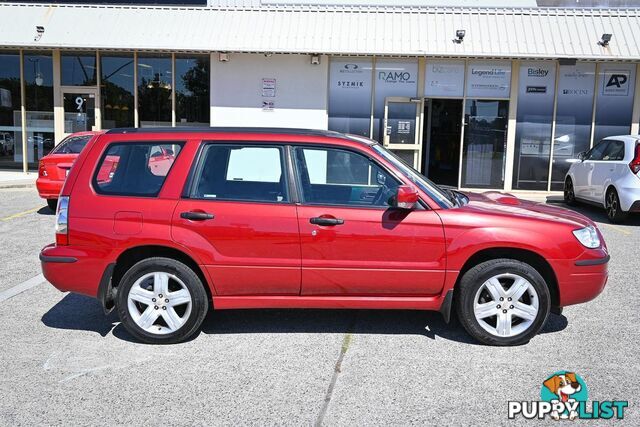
(64, 362)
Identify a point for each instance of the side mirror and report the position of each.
(406, 197)
(582, 156)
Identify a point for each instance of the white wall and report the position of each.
(300, 97)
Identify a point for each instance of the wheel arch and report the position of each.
(136, 254)
(534, 259)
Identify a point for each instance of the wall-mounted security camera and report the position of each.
(459, 36)
(604, 40)
(223, 57)
(39, 33)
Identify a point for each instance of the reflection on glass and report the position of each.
(192, 91)
(38, 81)
(401, 123)
(9, 108)
(154, 90)
(533, 142)
(78, 69)
(117, 91)
(616, 86)
(485, 140)
(350, 95)
(393, 77)
(79, 112)
(574, 110)
(407, 156)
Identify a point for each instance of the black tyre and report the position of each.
(53, 204)
(612, 204)
(161, 301)
(569, 192)
(503, 302)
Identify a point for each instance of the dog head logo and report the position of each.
(564, 388)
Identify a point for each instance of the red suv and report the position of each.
(275, 218)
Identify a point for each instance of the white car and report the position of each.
(608, 175)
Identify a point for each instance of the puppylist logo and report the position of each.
(563, 396)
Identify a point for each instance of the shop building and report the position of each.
(474, 97)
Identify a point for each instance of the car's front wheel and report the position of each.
(503, 302)
(569, 192)
(161, 301)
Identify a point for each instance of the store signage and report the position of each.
(444, 78)
(268, 88)
(489, 79)
(616, 83)
(350, 87)
(267, 105)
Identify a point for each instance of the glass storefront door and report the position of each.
(79, 109)
(401, 122)
(485, 143)
(441, 139)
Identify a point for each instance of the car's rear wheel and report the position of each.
(569, 192)
(53, 204)
(503, 302)
(612, 205)
(161, 301)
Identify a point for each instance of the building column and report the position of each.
(58, 107)
(511, 126)
(635, 118)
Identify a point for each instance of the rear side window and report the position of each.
(135, 169)
(241, 172)
(614, 151)
(71, 145)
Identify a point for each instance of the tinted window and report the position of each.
(245, 173)
(341, 177)
(71, 145)
(135, 169)
(614, 151)
(597, 151)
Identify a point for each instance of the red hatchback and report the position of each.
(165, 224)
(55, 166)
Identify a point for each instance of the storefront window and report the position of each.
(38, 81)
(533, 129)
(485, 142)
(192, 91)
(616, 86)
(393, 78)
(116, 90)
(350, 95)
(9, 108)
(78, 68)
(574, 110)
(154, 90)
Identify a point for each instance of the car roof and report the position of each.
(242, 130)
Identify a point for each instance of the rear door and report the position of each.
(239, 217)
(352, 242)
(605, 169)
(584, 173)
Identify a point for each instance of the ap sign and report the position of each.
(616, 83)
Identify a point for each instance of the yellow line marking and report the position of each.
(19, 214)
(619, 229)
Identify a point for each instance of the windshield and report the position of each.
(439, 195)
(72, 145)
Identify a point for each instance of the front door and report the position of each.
(401, 124)
(239, 219)
(80, 111)
(352, 242)
(441, 138)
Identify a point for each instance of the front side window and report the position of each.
(340, 177)
(597, 152)
(135, 169)
(614, 151)
(242, 173)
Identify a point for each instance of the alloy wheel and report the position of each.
(159, 303)
(506, 305)
(612, 204)
(569, 194)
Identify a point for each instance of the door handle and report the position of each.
(326, 221)
(196, 216)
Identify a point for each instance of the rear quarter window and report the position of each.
(135, 169)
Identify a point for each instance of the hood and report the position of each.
(493, 202)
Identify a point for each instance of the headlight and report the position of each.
(588, 236)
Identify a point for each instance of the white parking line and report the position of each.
(24, 286)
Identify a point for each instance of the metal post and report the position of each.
(23, 115)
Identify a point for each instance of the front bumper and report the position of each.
(581, 280)
(48, 188)
(74, 269)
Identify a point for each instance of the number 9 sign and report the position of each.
(79, 102)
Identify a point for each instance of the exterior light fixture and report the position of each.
(315, 59)
(223, 57)
(459, 36)
(268, 55)
(39, 33)
(604, 40)
(39, 79)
